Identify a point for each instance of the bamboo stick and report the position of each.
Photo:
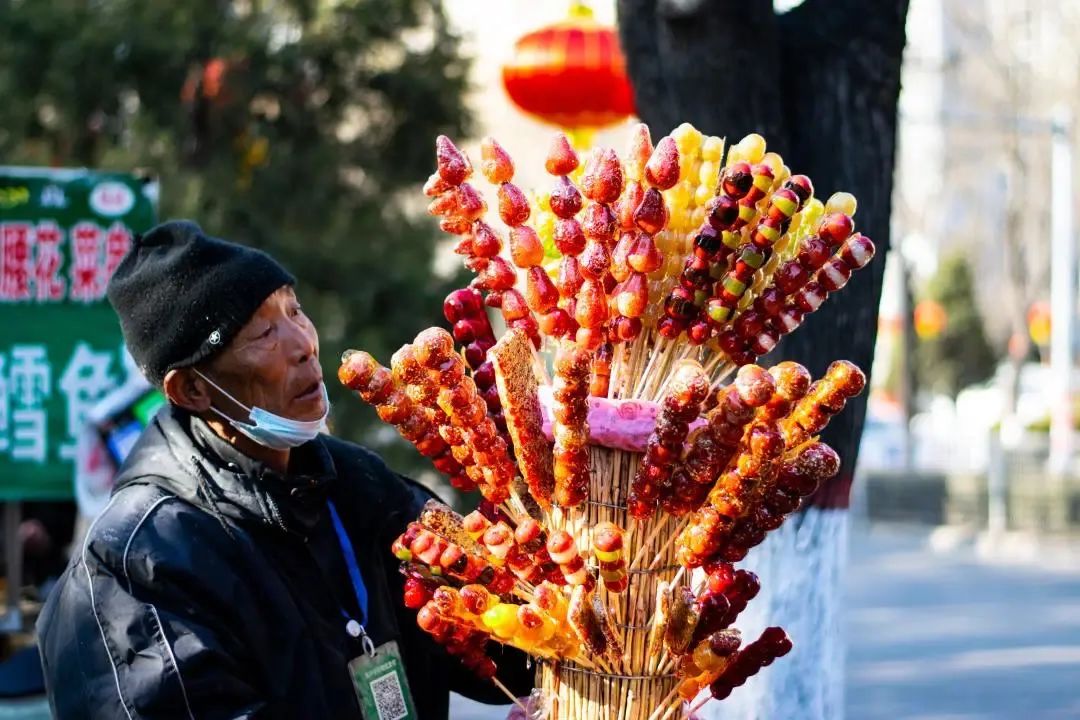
(506, 691)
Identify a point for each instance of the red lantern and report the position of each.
(571, 74)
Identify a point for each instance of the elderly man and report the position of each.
(241, 569)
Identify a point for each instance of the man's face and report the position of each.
(273, 363)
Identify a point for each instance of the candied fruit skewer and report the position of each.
(602, 184)
(826, 397)
(797, 478)
(460, 638)
(643, 257)
(423, 386)
(726, 215)
(755, 468)
(681, 405)
(434, 350)
(570, 426)
(600, 381)
(772, 644)
(565, 202)
(463, 209)
(445, 558)
(512, 360)
(775, 232)
(563, 551)
(441, 519)
(707, 662)
(754, 335)
(751, 256)
(375, 385)
(715, 444)
(607, 540)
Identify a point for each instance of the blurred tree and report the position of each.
(300, 126)
(960, 355)
(820, 82)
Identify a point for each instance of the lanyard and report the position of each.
(354, 575)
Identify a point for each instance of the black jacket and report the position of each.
(212, 587)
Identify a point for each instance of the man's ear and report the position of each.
(187, 390)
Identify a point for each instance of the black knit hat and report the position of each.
(182, 295)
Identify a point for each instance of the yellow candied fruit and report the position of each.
(811, 215)
(675, 200)
(712, 149)
(686, 165)
(843, 202)
(702, 196)
(692, 179)
(501, 619)
(687, 138)
(548, 629)
(707, 173)
(685, 192)
(752, 148)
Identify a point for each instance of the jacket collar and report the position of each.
(185, 456)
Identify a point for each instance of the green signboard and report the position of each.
(62, 234)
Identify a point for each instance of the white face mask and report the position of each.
(270, 430)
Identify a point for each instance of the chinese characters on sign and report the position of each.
(32, 255)
(28, 380)
(62, 235)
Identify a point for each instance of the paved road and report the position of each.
(937, 632)
(947, 636)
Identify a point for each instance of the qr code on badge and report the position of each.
(389, 700)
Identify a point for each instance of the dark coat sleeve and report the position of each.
(127, 633)
(513, 670)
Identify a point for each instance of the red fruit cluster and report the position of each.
(570, 425)
(718, 441)
(681, 406)
(462, 208)
(772, 644)
(776, 466)
(826, 397)
(419, 425)
(458, 637)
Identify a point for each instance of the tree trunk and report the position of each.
(821, 84)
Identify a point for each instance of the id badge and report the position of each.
(381, 685)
